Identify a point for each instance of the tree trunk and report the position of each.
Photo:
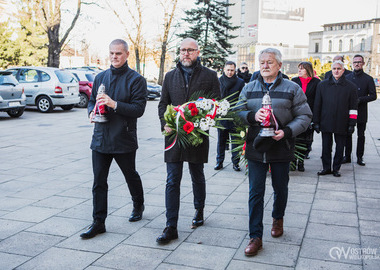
(137, 54)
(162, 63)
(54, 46)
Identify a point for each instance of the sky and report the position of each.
(99, 26)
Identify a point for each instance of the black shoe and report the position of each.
(236, 168)
(361, 162)
(198, 219)
(336, 173)
(324, 172)
(218, 166)
(96, 228)
(307, 156)
(301, 166)
(346, 160)
(137, 213)
(169, 233)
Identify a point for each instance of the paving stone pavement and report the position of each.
(46, 202)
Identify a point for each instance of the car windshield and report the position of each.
(90, 77)
(7, 79)
(65, 76)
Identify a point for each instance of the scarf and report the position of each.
(120, 70)
(305, 82)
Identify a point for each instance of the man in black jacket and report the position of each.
(335, 113)
(230, 86)
(125, 101)
(179, 85)
(366, 93)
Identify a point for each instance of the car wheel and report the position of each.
(44, 104)
(16, 112)
(83, 102)
(67, 107)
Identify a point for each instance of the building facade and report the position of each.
(348, 39)
(269, 23)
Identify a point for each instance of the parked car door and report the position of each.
(29, 79)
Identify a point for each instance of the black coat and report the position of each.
(233, 94)
(366, 90)
(129, 90)
(175, 92)
(334, 102)
(245, 76)
(311, 90)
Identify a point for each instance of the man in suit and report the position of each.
(125, 101)
(366, 93)
(179, 85)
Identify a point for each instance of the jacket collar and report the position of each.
(277, 81)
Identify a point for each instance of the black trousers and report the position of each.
(360, 129)
(101, 164)
(223, 135)
(327, 141)
(172, 192)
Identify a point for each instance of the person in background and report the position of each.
(335, 114)
(308, 83)
(230, 86)
(328, 74)
(179, 85)
(243, 72)
(366, 90)
(293, 114)
(125, 100)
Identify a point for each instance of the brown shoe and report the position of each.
(254, 245)
(277, 227)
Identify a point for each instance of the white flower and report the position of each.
(203, 125)
(242, 134)
(211, 122)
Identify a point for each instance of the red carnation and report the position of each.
(194, 111)
(191, 106)
(188, 127)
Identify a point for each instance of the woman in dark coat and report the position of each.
(308, 83)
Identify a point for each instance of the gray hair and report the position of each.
(243, 63)
(277, 54)
(189, 40)
(120, 42)
(338, 56)
(339, 63)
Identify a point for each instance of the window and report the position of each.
(44, 76)
(330, 45)
(362, 45)
(28, 76)
(351, 45)
(316, 47)
(340, 45)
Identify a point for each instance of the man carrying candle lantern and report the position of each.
(118, 98)
(271, 104)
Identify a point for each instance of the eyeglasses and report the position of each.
(244, 68)
(358, 63)
(189, 51)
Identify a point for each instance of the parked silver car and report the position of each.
(48, 87)
(12, 97)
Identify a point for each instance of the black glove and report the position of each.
(351, 130)
(316, 128)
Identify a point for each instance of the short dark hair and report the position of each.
(230, 63)
(359, 55)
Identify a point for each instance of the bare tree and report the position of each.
(49, 15)
(169, 7)
(134, 31)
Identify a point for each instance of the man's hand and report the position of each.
(316, 128)
(168, 129)
(279, 135)
(91, 116)
(351, 130)
(260, 115)
(104, 99)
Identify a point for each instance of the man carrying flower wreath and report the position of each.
(179, 85)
